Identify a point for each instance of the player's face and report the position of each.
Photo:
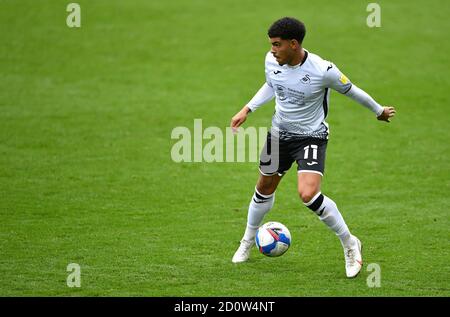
(282, 50)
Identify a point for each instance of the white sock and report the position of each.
(328, 213)
(259, 206)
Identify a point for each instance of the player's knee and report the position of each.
(266, 189)
(306, 195)
(266, 186)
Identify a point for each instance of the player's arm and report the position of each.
(363, 98)
(264, 95)
(339, 82)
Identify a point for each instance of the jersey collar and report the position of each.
(303, 61)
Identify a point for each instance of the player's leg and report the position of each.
(260, 204)
(311, 165)
(274, 163)
(323, 206)
(328, 212)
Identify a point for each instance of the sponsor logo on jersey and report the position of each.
(280, 91)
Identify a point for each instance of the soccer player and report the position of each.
(300, 81)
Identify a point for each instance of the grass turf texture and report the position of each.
(86, 173)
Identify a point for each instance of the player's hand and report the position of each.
(239, 118)
(387, 113)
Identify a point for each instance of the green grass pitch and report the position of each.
(86, 174)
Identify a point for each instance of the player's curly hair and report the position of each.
(288, 29)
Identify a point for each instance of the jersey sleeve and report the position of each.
(268, 78)
(264, 95)
(335, 79)
(365, 99)
(267, 70)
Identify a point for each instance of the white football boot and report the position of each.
(243, 252)
(353, 259)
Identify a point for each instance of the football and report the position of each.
(273, 239)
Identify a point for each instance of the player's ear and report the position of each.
(294, 44)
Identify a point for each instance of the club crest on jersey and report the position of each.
(305, 80)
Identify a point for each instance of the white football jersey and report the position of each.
(302, 94)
